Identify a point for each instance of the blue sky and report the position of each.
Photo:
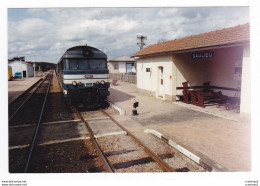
(43, 34)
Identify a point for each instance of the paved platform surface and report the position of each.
(220, 135)
(17, 86)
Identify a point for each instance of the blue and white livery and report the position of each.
(83, 75)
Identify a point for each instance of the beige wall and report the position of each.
(121, 67)
(111, 67)
(150, 81)
(219, 70)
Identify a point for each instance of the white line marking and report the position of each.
(92, 119)
(154, 132)
(176, 146)
(62, 141)
(120, 110)
(48, 143)
(57, 122)
(18, 147)
(20, 126)
(110, 134)
(188, 154)
(47, 123)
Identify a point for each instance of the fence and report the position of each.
(123, 77)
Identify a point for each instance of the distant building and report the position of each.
(122, 64)
(18, 64)
(220, 57)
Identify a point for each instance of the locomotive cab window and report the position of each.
(97, 64)
(84, 64)
(76, 64)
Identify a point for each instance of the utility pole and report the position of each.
(141, 39)
(34, 69)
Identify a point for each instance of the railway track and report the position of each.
(156, 158)
(39, 96)
(16, 105)
(77, 140)
(122, 151)
(55, 139)
(108, 165)
(28, 108)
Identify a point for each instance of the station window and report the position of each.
(115, 66)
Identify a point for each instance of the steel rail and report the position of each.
(156, 158)
(100, 154)
(27, 99)
(36, 128)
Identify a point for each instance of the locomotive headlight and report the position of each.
(80, 83)
(102, 82)
(97, 82)
(74, 83)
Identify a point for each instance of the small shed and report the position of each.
(122, 64)
(18, 64)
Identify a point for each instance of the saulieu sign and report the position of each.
(199, 55)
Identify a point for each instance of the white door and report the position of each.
(160, 82)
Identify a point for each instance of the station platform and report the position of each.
(17, 87)
(220, 137)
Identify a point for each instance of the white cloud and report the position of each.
(45, 34)
(28, 27)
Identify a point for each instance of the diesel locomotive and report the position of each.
(83, 76)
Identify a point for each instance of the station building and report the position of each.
(121, 64)
(18, 64)
(220, 57)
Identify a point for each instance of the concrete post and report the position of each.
(34, 69)
(245, 105)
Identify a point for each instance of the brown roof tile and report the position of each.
(234, 35)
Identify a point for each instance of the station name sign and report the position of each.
(200, 55)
